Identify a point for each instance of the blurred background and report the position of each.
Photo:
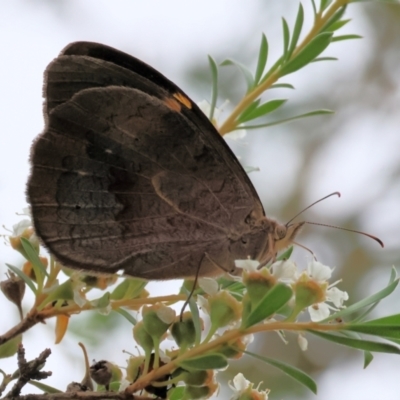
(355, 151)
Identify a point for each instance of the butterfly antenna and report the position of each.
(349, 230)
(306, 248)
(313, 204)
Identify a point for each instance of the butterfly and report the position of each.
(130, 175)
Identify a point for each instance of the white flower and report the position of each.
(318, 271)
(248, 265)
(284, 270)
(209, 285)
(321, 273)
(302, 341)
(241, 386)
(18, 229)
(166, 314)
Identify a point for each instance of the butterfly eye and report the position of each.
(280, 232)
(244, 239)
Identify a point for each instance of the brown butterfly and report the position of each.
(130, 175)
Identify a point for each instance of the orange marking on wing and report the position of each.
(183, 99)
(172, 104)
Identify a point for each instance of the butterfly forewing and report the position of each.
(129, 174)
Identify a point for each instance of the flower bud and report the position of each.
(184, 331)
(258, 283)
(14, 289)
(104, 372)
(134, 367)
(199, 392)
(308, 292)
(157, 319)
(224, 309)
(142, 338)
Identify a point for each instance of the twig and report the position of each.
(83, 396)
(28, 371)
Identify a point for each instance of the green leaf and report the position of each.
(297, 30)
(101, 302)
(359, 344)
(214, 90)
(368, 357)
(65, 291)
(8, 349)
(285, 255)
(126, 315)
(129, 288)
(253, 106)
(24, 277)
(314, 7)
(208, 361)
(365, 302)
(176, 393)
(324, 4)
(33, 257)
(293, 372)
(262, 110)
(329, 26)
(281, 85)
(245, 71)
(387, 327)
(45, 388)
(338, 24)
(262, 59)
(309, 53)
(286, 38)
(324, 59)
(196, 319)
(345, 37)
(281, 121)
(274, 299)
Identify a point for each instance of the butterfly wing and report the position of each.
(129, 174)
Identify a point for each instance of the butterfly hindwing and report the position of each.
(129, 174)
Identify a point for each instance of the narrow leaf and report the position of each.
(281, 121)
(262, 59)
(44, 388)
(195, 315)
(214, 90)
(286, 38)
(176, 393)
(24, 277)
(9, 348)
(338, 24)
(368, 357)
(297, 30)
(345, 37)
(293, 372)
(309, 53)
(249, 109)
(281, 85)
(365, 302)
(386, 331)
(324, 4)
(208, 361)
(245, 71)
(314, 6)
(285, 255)
(33, 257)
(334, 19)
(262, 110)
(126, 315)
(359, 344)
(324, 59)
(274, 299)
